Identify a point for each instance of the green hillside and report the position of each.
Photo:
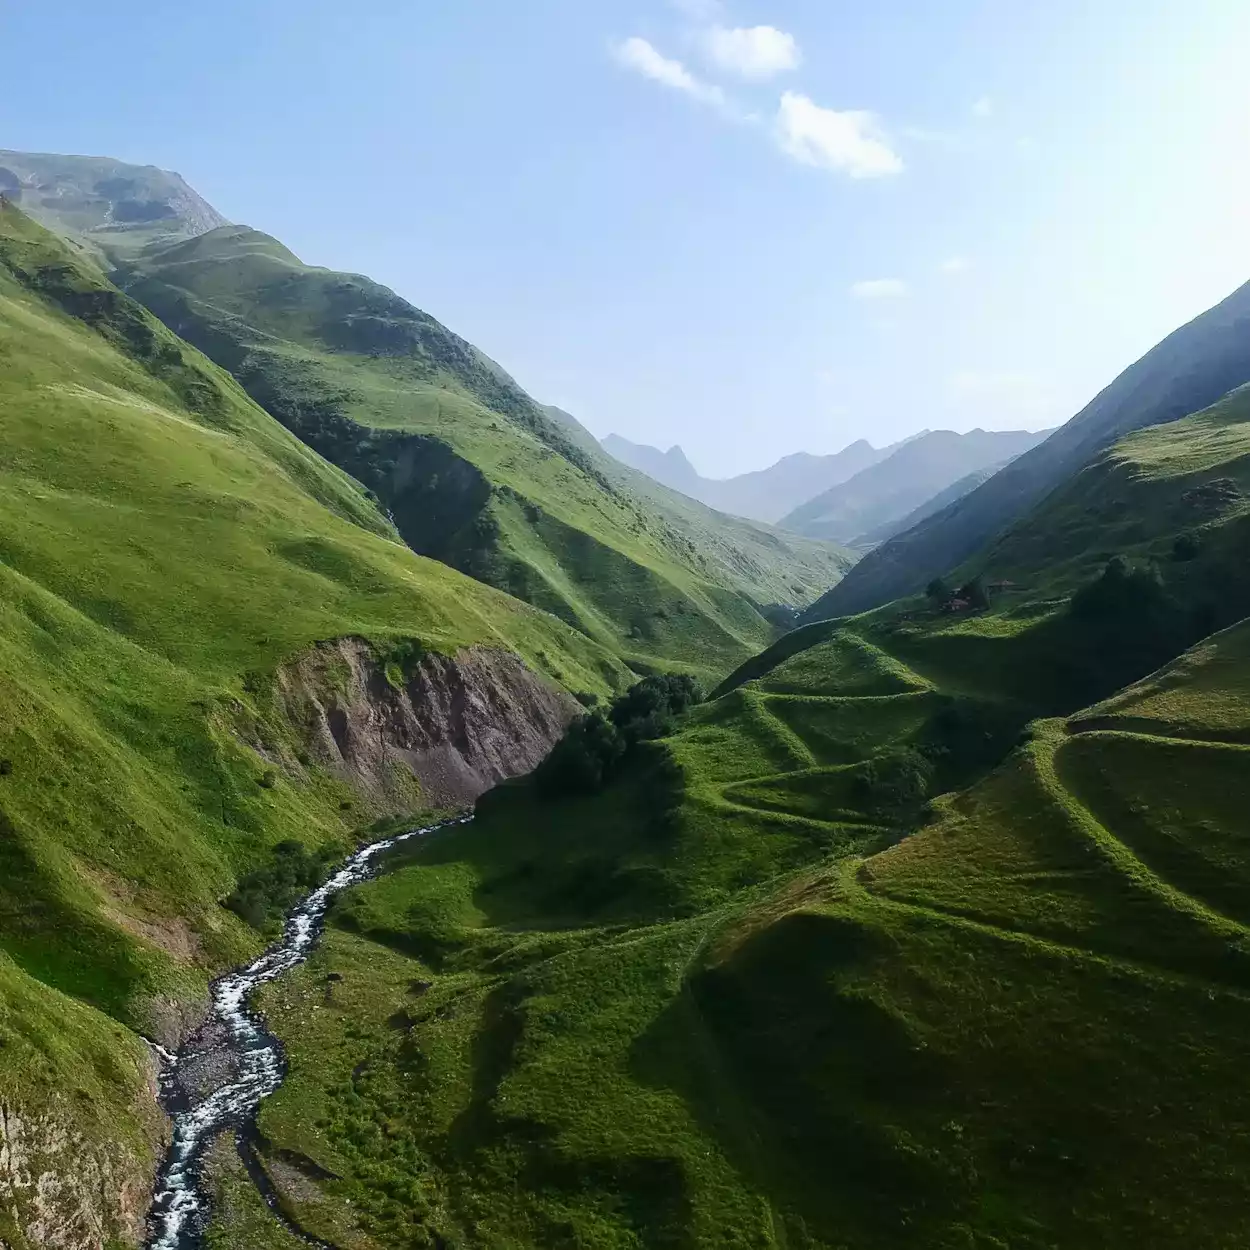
(1191, 369)
(473, 471)
(922, 932)
(170, 558)
(929, 928)
(747, 1013)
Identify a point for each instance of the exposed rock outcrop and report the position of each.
(457, 724)
(61, 1190)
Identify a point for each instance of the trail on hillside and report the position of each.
(245, 1061)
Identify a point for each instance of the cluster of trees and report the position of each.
(595, 745)
(266, 894)
(1126, 623)
(974, 593)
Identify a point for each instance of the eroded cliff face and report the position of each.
(423, 731)
(63, 1190)
(456, 725)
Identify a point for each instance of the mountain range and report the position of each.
(888, 491)
(860, 496)
(764, 495)
(1193, 367)
(924, 923)
(468, 467)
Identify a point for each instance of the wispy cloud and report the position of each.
(752, 52)
(852, 143)
(955, 265)
(643, 58)
(880, 288)
(984, 107)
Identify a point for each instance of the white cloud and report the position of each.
(849, 142)
(984, 107)
(955, 265)
(755, 52)
(638, 55)
(880, 288)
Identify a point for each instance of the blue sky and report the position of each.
(751, 227)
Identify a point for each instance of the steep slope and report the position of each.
(739, 1015)
(889, 490)
(943, 499)
(1189, 370)
(1175, 496)
(473, 472)
(210, 642)
(764, 495)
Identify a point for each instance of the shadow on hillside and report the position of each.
(800, 1076)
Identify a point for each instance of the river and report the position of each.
(245, 1050)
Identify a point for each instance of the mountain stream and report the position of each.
(240, 1063)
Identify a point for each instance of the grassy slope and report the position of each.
(1191, 369)
(164, 545)
(1023, 1026)
(540, 511)
(721, 1013)
(1190, 477)
(554, 1083)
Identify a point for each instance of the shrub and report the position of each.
(264, 895)
(582, 760)
(894, 784)
(647, 710)
(1122, 594)
(1120, 626)
(1185, 547)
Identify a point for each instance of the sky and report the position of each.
(751, 227)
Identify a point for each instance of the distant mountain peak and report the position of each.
(97, 196)
(914, 471)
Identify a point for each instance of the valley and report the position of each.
(517, 851)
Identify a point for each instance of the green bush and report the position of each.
(648, 709)
(583, 759)
(1119, 627)
(264, 896)
(1185, 547)
(1122, 594)
(895, 784)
